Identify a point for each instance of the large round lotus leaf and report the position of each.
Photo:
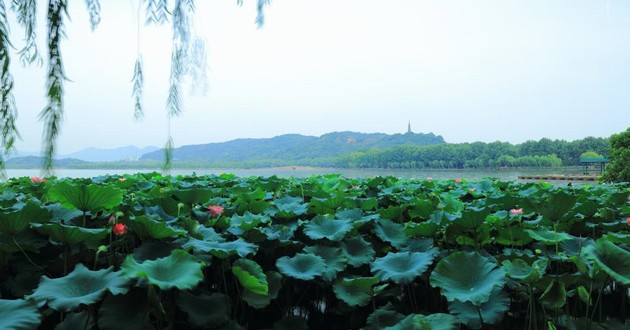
(383, 317)
(355, 291)
(205, 310)
(282, 233)
(614, 260)
(357, 251)
(420, 229)
(291, 323)
(290, 206)
(146, 227)
(274, 279)
(467, 277)
(82, 197)
(178, 270)
(555, 205)
(555, 296)
(70, 235)
(439, 321)
(242, 223)
(192, 196)
(132, 307)
(492, 311)
(523, 271)
(81, 287)
(153, 250)
(15, 221)
(548, 237)
(322, 227)
(303, 266)
(251, 276)
(222, 250)
(19, 314)
(333, 258)
(402, 267)
(73, 321)
(391, 232)
(472, 218)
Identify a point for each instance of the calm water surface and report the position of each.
(505, 175)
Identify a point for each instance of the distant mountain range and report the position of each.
(294, 147)
(128, 153)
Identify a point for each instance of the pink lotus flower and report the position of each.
(429, 178)
(628, 221)
(458, 180)
(121, 179)
(37, 179)
(215, 210)
(516, 211)
(120, 229)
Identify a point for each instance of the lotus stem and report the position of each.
(27, 257)
(597, 303)
(480, 318)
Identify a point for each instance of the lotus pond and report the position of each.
(147, 251)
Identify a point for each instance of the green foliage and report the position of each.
(178, 270)
(619, 168)
(19, 314)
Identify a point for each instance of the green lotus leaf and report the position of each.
(87, 198)
(146, 227)
(321, 227)
(548, 237)
(153, 250)
(19, 314)
(251, 276)
(132, 307)
(402, 267)
(282, 233)
(391, 232)
(274, 279)
(357, 251)
(355, 291)
(449, 203)
(81, 287)
(555, 295)
(14, 221)
(222, 250)
(620, 238)
(439, 321)
(70, 235)
(333, 258)
(467, 277)
(328, 205)
(420, 229)
(62, 214)
(520, 270)
(368, 204)
(472, 218)
(422, 208)
(491, 311)
(205, 310)
(350, 214)
(242, 223)
(511, 236)
(192, 196)
(612, 259)
(303, 266)
(418, 245)
(178, 270)
(383, 317)
(291, 323)
(78, 320)
(391, 213)
(290, 206)
(555, 205)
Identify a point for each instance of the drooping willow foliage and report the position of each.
(188, 60)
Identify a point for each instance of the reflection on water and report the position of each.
(504, 175)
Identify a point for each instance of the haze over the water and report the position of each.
(481, 70)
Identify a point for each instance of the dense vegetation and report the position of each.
(619, 168)
(146, 251)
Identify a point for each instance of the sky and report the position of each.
(483, 70)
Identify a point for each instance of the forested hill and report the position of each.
(295, 147)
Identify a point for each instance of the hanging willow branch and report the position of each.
(260, 8)
(138, 74)
(8, 110)
(26, 12)
(94, 9)
(157, 12)
(52, 114)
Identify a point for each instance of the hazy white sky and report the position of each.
(482, 70)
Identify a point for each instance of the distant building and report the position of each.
(409, 127)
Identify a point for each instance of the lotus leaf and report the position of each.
(467, 277)
(274, 279)
(132, 307)
(511, 236)
(70, 235)
(472, 218)
(334, 259)
(240, 224)
(383, 317)
(303, 266)
(548, 237)
(521, 270)
(612, 259)
(146, 227)
(422, 208)
(81, 287)
(491, 311)
(19, 314)
(357, 251)
(355, 291)
(15, 221)
(438, 321)
(291, 323)
(282, 233)
(178, 270)
(290, 206)
(192, 196)
(555, 205)
(327, 205)
(222, 250)
(555, 296)
(391, 213)
(205, 310)
(153, 250)
(421, 229)
(251, 276)
(402, 267)
(391, 232)
(87, 198)
(322, 227)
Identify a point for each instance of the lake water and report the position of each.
(505, 175)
